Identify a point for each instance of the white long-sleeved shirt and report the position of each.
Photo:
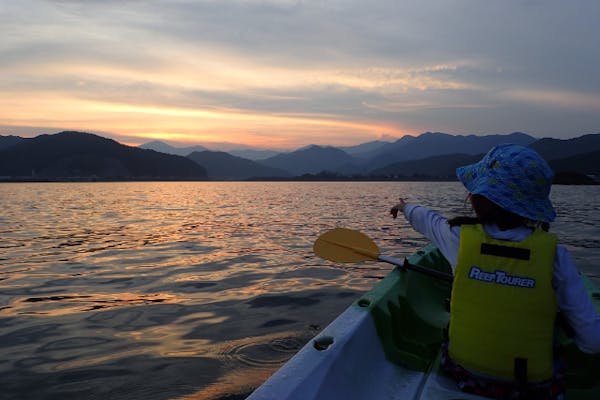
(572, 297)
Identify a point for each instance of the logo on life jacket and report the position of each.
(501, 277)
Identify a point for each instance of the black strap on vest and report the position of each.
(505, 251)
(521, 370)
(521, 379)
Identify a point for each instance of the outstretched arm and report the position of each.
(433, 226)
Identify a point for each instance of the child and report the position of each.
(510, 279)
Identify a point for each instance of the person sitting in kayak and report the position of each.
(510, 279)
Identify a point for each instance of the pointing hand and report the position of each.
(398, 207)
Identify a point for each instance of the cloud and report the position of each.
(461, 66)
(557, 99)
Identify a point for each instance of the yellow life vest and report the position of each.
(503, 305)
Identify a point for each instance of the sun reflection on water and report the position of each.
(195, 290)
(57, 305)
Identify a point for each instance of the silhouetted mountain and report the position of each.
(254, 154)
(573, 178)
(584, 163)
(79, 155)
(569, 170)
(440, 167)
(435, 144)
(311, 160)
(223, 166)
(388, 147)
(9, 141)
(365, 150)
(552, 149)
(242, 151)
(163, 147)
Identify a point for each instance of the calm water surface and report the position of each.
(196, 290)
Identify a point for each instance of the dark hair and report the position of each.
(488, 212)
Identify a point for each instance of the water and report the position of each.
(196, 290)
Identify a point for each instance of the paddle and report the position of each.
(347, 246)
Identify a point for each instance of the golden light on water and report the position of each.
(194, 290)
(249, 366)
(73, 303)
(233, 382)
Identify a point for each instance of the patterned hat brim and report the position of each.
(534, 209)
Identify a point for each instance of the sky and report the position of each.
(282, 74)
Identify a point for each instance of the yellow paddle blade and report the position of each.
(346, 246)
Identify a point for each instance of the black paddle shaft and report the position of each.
(417, 268)
(428, 271)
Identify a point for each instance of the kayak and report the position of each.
(386, 345)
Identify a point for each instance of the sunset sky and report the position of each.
(283, 74)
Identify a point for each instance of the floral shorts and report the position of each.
(552, 389)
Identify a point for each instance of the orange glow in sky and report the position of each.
(142, 118)
(185, 125)
(283, 74)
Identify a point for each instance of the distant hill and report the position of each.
(440, 167)
(9, 141)
(312, 159)
(79, 155)
(576, 169)
(365, 157)
(365, 150)
(243, 151)
(223, 166)
(254, 154)
(585, 163)
(573, 178)
(163, 147)
(436, 144)
(552, 149)
(388, 147)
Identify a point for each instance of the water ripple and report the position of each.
(196, 290)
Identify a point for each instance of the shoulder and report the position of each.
(516, 234)
(564, 268)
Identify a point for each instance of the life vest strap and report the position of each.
(505, 251)
(521, 371)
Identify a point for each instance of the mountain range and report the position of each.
(248, 153)
(83, 156)
(224, 166)
(78, 155)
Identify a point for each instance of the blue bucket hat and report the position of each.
(514, 177)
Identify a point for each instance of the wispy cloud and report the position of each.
(557, 99)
